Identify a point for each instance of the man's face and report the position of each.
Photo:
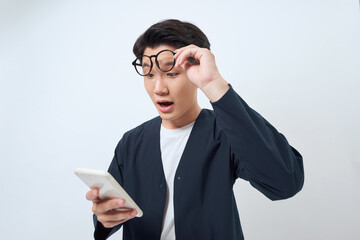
(172, 93)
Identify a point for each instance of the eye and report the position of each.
(172, 74)
(150, 75)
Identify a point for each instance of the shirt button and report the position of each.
(161, 186)
(178, 178)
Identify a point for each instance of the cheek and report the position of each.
(190, 89)
(147, 86)
(149, 89)
(185, 92)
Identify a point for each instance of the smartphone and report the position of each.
(108, 187)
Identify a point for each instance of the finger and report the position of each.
(180, 50)
(116, 215)
(112, 224)
(109, 220)
(92, 194)
(191, 55)
(108, 205)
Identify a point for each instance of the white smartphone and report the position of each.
(107, 185)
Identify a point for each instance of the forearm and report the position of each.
(262, 155)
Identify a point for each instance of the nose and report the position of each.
(160, 86)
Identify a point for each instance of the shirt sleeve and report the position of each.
(116, 170)
(260, 154)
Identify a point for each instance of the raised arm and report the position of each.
(260, 153)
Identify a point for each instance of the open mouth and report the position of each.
(165, 104)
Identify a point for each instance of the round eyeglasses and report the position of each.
(164, 61)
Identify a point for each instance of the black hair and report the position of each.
(171, 32)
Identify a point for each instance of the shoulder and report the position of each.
(141, 132)
(206, 116)
(147, 128)
(206, 123)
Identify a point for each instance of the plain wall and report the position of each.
(68, 92)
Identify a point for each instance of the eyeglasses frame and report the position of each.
(151, 62)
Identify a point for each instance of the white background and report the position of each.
(68, 92)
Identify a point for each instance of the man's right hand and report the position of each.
(110, 212)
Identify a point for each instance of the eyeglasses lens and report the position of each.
(166, 61)
(143, 65)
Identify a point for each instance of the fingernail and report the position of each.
(120, 203)
(133, 213)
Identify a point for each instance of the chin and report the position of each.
(166, 116)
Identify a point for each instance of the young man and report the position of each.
(180, 167)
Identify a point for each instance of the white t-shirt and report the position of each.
(172, 145)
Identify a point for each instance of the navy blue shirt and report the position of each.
(231, 142)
